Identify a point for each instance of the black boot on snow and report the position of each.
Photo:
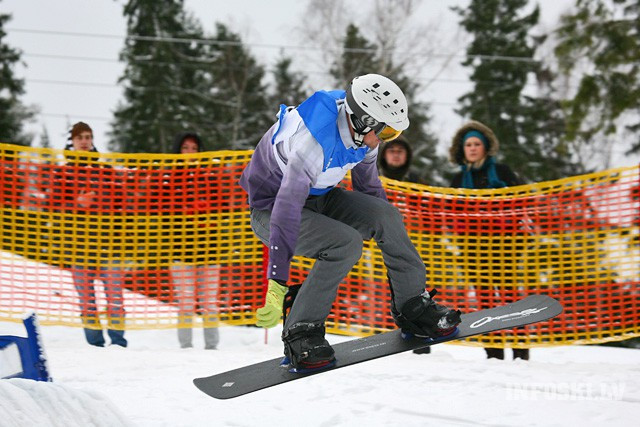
(521, 353)
(306, 348)
(423, 317)
(494, 353)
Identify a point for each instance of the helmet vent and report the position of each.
(376, 85)
(386, 93)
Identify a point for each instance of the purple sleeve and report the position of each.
(287, 213)
(365, 178)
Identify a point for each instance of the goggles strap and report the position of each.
(358, 133)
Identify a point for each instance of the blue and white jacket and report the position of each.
(307, 152)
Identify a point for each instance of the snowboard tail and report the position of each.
(247, 379)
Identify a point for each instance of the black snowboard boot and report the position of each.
(305, 346)
(423, 317)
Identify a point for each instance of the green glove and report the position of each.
(269, 315)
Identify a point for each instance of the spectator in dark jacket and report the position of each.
(394, 160)
(195, 280)
(473, 149)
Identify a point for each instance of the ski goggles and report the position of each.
(387, 133)
(384, 132)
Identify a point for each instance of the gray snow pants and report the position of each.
(332, 232)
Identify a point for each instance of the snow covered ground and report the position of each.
(149, 384)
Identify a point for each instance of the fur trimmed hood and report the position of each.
(456, 153)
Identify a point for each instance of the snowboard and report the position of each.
(247, 379)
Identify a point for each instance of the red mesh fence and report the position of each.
(159, 240)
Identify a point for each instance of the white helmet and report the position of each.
(376, 103)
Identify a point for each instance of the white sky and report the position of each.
(72, 78)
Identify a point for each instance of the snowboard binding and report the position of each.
(286, 364)
(306, 348)
(422, 317)
(429, 340)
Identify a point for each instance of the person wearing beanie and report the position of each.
(473, 148)
(86, 187)
(394, 160)
(195, 281)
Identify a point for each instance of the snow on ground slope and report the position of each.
(31, 403)
(27, 285)
(149, 384)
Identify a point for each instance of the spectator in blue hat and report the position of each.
(473, 149)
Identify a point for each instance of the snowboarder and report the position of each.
(296, 209)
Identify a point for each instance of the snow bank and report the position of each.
(150, 384)
(35, 403)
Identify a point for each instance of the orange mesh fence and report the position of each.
(158, 240)
(575, 239)
(162, 241)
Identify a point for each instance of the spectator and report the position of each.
(85, 187)
(473, 148)
(195, 282)
(394, 160)
(297, 208)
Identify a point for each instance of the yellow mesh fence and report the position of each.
(161, 240)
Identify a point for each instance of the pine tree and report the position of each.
(162, 79)
(360, 56)
(237, 96)
(288, 88)
(501, 54)
(45, 140)
(429, 165)
(604, 38)
(605, 35)
(13, 114)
